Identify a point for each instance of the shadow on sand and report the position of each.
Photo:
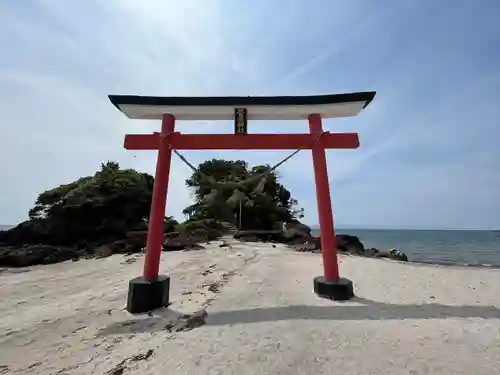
(366, 310)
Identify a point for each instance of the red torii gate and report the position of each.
(151, 290)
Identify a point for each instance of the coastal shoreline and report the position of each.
(458, 248)
(452, 264)
(341, 254)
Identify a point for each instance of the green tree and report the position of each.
(220, 187)
(106, 204)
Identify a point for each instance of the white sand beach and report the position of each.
(263, 317)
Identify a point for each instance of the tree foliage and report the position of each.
(259, 209)
(108, 203)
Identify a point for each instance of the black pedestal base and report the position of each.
(341, 290)
(147, 295)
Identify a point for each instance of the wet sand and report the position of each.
(263, 317)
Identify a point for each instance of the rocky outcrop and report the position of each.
(30, 243)
(28, 255)
(297, 225)
(349, 244)
(294, 232)
(303, 241)
(26, 245)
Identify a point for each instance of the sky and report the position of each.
(430, 140)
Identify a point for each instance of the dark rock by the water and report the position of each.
(305, 242)
(295, 224)
(195, 232)
(27, 255)
(24, 244)
(350, 244)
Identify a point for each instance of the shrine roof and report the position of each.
(258, 107)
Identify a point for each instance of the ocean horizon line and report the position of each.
(340, 228)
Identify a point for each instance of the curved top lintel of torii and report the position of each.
(258, 107)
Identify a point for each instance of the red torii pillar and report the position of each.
(151, 290)
(155, 240)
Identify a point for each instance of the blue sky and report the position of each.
(429, 150)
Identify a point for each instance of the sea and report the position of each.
(473, 248)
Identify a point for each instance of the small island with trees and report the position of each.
(107, 213)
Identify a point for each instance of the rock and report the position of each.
(299, 226)
(27, 232)
(200, 234)
(191, 234)
(350, 244)
(137, 238)
(188, 322)
(383, 254)
(398, 255)
(27, 255)
(197, 319)
(307, 247)
(248, 238)
(294, 233)
(371, 252)
(289, 236)
(171, 235)
(119, 246)
(345, 243)
(185, 241)
(177, 243)
(302, 238)
(103, 251)
(206, 234)
(19, 246)
(388, 254)
(32, 254)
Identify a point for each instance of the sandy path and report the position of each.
(409, 319)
